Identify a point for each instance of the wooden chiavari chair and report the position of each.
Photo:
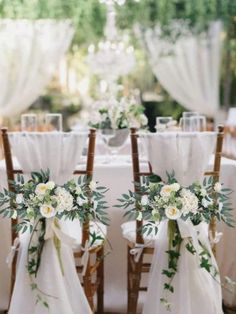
(135, 269)
(94, 269)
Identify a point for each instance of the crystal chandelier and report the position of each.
(113, 57)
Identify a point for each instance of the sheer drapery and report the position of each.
(195, 291)
(30, 51)
(188, 68)
(60, 152)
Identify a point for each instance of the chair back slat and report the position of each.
(216, 175)
(89, 174)
(137, 178)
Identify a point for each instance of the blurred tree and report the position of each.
(89, 18)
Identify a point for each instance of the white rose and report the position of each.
(217, 187)
(166, 190)
(175, 186)
(47, 211)
(144, 200)
(50, 185)
(19, 198)
(41, 189)
(172, 212)
(93, 185)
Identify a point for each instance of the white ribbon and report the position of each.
(138, 250)
(85, 257)
(216, 238)
(187, 230)
(52, 229)
(12, 252)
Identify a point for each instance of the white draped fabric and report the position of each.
(30, 51)
(195, 291)
(188, 68)
(229, 147)
(60, 152)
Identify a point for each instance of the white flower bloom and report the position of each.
(189, 202)
(47, 211)
(203, 192)
(93, 185)
(19, 198)
(172, 212)
(95, 117)
(175, 186)
(64, 200)
(14, 216)
(144, 200)
(50, 185)
(166, 190)
(81, 201)
(78, 190)
(206, 203)
(41, 189)
(218, 187)
(140, 216)
(143, 120)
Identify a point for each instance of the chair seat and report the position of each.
(129, 233)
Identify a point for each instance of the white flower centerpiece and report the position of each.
(114, 118)
(158, 201)
(39, 204)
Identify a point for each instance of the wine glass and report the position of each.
(53, 122)
(29, 122)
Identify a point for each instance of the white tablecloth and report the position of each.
(118, 177)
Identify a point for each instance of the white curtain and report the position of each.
(30, 51)
(189, 67)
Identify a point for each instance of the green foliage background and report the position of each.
(89, 18)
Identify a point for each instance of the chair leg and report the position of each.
(135, 275)
(129, 277)
(87, 280)
(100, 278)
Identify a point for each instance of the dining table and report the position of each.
(116, 174)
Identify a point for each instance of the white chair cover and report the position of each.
(59, 152)
(195, 291)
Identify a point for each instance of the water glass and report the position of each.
(202, 123)
(53, 122)
(29, 122)
(188, 124)
(188, 114)
(162, 123)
